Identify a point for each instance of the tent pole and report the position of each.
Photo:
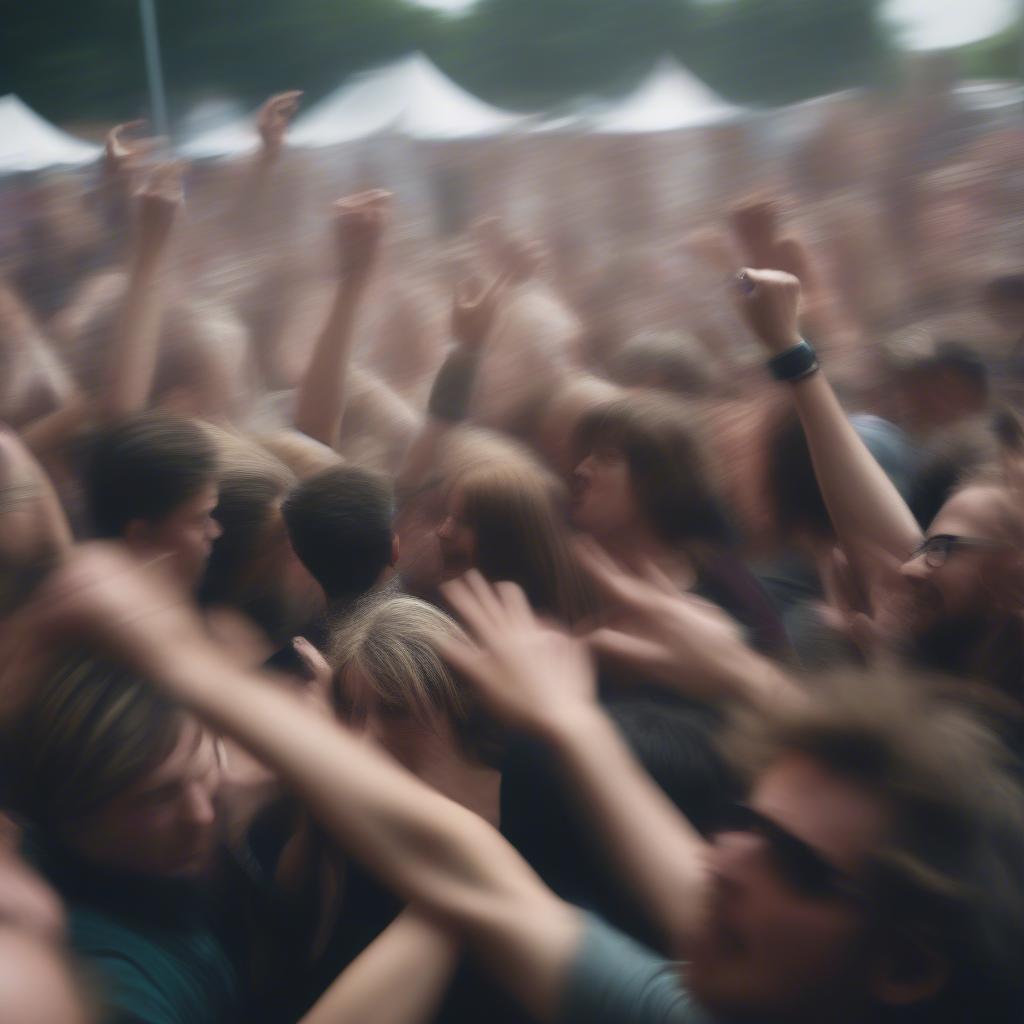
(154, 72)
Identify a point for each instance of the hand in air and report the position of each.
(528, 672)
(158, 203)
(474, 307)
(770, 303)
(359, 222)
(661, 632)
(124, 155)
(274, 118)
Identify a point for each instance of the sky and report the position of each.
(922, 24)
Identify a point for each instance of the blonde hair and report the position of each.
(392, 643)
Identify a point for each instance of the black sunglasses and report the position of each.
(800, 865)
(938, 548)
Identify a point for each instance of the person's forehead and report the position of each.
(841, 820)
(194, 752)
(972, 512)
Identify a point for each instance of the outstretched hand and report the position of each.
(123, 155)
(359, 222)
(274, 118)
(664, 634)
(529, 673)
(158, 203)
(474, 307)
(770, 302)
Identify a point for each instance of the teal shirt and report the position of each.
(161, 952)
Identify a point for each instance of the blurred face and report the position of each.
(784, 937)
(456, 538)
(187, 533)
(604, 502)
(982, 574)
(166, 824)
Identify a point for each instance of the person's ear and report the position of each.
(907, 972)
(394, 549)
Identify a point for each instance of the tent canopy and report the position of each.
(669, 98)
(28, 142)
(409, 97)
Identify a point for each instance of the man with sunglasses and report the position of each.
(952, 601)
(876, 872)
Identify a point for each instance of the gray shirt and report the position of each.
(614, 980)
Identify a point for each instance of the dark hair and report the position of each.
(251, 488)
(949, 869)
(667, 465)
(521, 536)
(89, 731)
(339, 522)
(144, 468)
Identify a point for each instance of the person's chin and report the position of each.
(192, 865)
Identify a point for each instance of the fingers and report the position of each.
(474, 603)
(514, 602)
(616, 584)
(462, 656)
(645, 655)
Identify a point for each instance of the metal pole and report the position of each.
(154, 72)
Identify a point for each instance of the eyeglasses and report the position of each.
(938, 548)
(798, 864)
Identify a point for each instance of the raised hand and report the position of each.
(123, 155)
(359, 222)
(529, 673)
(665, 634)
(274, 118)
(158, 203)
(770, 303)
(474, 307)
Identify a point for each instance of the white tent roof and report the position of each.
(30, 143)
(217, 128)
(410, 97)
(669, 98)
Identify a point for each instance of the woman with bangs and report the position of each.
(643, 489)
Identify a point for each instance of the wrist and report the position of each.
(565, 725)
(794, 363)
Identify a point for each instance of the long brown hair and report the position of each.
(521, 535)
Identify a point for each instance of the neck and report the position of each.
(635, 547)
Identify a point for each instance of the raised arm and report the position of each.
(359, 225)
(539, 679)
(865, 507)
(430, 850)
(400, 978)
(133, 354)
(474, 308)
(272, 124)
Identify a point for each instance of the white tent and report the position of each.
(409, 98)
(668, 99)
(30, 143)
(217, 128)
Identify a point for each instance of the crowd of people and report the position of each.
(411, 633)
